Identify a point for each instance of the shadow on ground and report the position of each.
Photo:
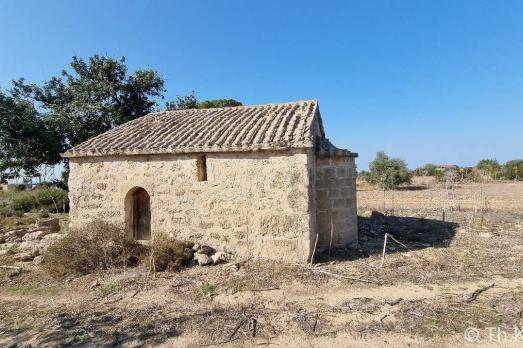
(414, 232)
(412, 188)
(95, 329)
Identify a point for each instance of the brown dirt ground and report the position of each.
(419, 298)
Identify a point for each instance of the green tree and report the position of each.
(182, 103)
(218, 103)
(490, 168)
(387, 172)
(26, 139)
(513, 170)
(190, 102)
(95, 96)
(40, 122)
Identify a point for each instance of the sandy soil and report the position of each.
(425, 295)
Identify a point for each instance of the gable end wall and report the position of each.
(336, 211)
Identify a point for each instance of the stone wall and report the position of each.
(254, 205)
(336, 211)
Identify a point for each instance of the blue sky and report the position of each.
(426, 81)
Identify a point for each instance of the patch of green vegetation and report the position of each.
(208, 290)
(14, 203)
(109, 289)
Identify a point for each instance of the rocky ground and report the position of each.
(445, 281)
(28, 242)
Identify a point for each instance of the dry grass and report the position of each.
(98, 245)
(424, 194)
(418, 296)
(167, 253)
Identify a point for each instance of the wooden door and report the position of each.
(141, 215)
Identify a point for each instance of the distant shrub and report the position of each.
(513, 170)
(428, 169)
(53, 199)
(489, 168)
(24, 201)
(53, 183)
(20, 187)
(364, 175)
(167, 253)
(387, 172)
(98, 245)
(466, 173)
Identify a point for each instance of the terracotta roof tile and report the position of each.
(243, 128)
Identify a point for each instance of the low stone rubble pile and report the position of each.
(205, 255)
(29, 243)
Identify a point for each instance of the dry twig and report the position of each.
(476, 293)
(384, 249)
(314, 251)
(319, 270)
(315, 323)
(397, 241)
(394, 302)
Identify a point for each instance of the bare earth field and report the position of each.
(455, 279)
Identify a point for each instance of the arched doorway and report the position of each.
(138, 213)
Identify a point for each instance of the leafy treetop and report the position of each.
(190, 102)
(387, 172)
(40, 122)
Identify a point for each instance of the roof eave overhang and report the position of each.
(137, 152)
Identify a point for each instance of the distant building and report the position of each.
(259, 181)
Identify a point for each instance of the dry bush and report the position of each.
(167, 253)
(98, 245)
